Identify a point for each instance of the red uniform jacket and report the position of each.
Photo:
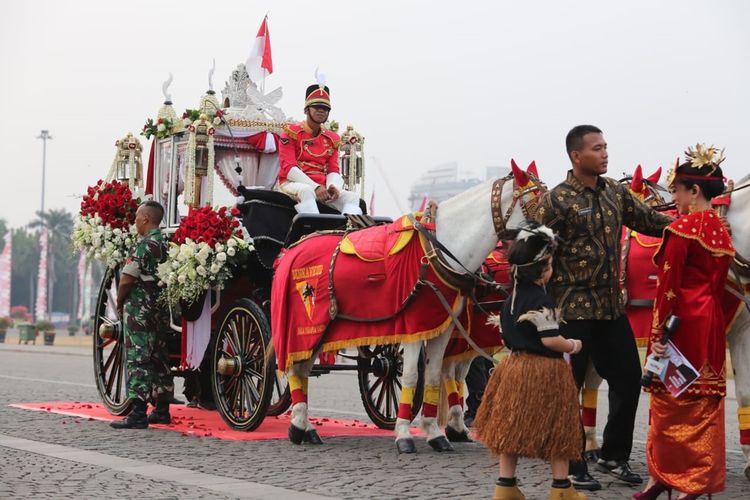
(315, 156)
(693, 261)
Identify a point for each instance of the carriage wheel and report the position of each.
(380, 384)
(242, 381)
(281, 397)
(109, 347)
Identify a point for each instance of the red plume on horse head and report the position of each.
(654, 178)
(532, 169)
(636, 185)
(519, 175)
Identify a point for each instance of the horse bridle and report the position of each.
(467, 279)
(529, 208)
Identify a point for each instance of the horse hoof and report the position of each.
(296, 435)
(457, 437)
(406, 445)
(440, 443)
(591, 455)
(747, 472)
(312, 437)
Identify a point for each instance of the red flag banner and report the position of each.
(259, 63)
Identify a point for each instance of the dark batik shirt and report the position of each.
(589, 221)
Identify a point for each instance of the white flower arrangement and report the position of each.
(193, 268)
(100, 240)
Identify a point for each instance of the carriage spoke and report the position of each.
(118, 384)
(116, 352)
(230, 341)
(253, 390)
(381, 394)
(374, 386)
(112, 355)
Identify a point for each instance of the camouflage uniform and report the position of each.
(149, 374)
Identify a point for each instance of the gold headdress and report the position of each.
(699, 157)
(703, 155)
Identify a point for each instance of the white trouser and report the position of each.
(346, 203)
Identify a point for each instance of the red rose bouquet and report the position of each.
(105, 226)
(203, 252)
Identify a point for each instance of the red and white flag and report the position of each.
(5, 268)
(423, 205)
(259, 64)
(40, 311)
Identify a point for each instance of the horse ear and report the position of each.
(636, 185)
(532, 169)
(519, 175)
(654, 178)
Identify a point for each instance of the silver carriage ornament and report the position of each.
(127, 165)
(352, 159)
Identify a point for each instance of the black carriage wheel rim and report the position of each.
(383, 391)
(240, 339)
(110, 353)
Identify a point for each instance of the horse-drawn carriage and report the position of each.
(220, 343)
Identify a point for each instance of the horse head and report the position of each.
(527, 193)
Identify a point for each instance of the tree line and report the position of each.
(62, 261)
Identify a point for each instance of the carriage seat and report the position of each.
(304, 224)
(269, 217)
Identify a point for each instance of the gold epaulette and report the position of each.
(292, 131)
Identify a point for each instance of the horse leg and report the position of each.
(404, 439)
(739, 349)
(435, 350)
(300, 428)
(456, 431)
(589, 396)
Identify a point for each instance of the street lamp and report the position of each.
(44, 136)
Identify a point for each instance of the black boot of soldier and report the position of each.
(136, 420)
(160, 415)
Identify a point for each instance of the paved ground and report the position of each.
(47, 455)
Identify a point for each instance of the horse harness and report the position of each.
(436, 255)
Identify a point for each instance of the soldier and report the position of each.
(149, 375)
(308, 154)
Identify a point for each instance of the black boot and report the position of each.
(136, 420)
(160, 415)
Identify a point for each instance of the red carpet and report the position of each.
(204, 423)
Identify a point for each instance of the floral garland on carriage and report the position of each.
(203, 254)
(105, 225)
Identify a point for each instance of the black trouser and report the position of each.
(476, 381)
(610, 345)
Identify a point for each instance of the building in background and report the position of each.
(443, 181)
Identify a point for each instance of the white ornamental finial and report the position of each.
(211, 75)
(165, 88)
(320, 78)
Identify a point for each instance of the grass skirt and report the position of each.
(530, 409)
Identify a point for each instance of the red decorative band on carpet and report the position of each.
(204, 423)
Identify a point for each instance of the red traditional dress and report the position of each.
(685, 446)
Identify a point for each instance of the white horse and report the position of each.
(467, 225)
(738, 336)
(738, 216)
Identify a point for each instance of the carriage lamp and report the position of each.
(201, 136)
(128, 163)
(352, 157)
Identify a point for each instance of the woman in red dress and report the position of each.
(686, 448)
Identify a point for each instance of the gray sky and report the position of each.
(425, 82)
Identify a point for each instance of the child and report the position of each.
(530, 405)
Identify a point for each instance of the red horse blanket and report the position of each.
(487, 337)
(374, 273)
